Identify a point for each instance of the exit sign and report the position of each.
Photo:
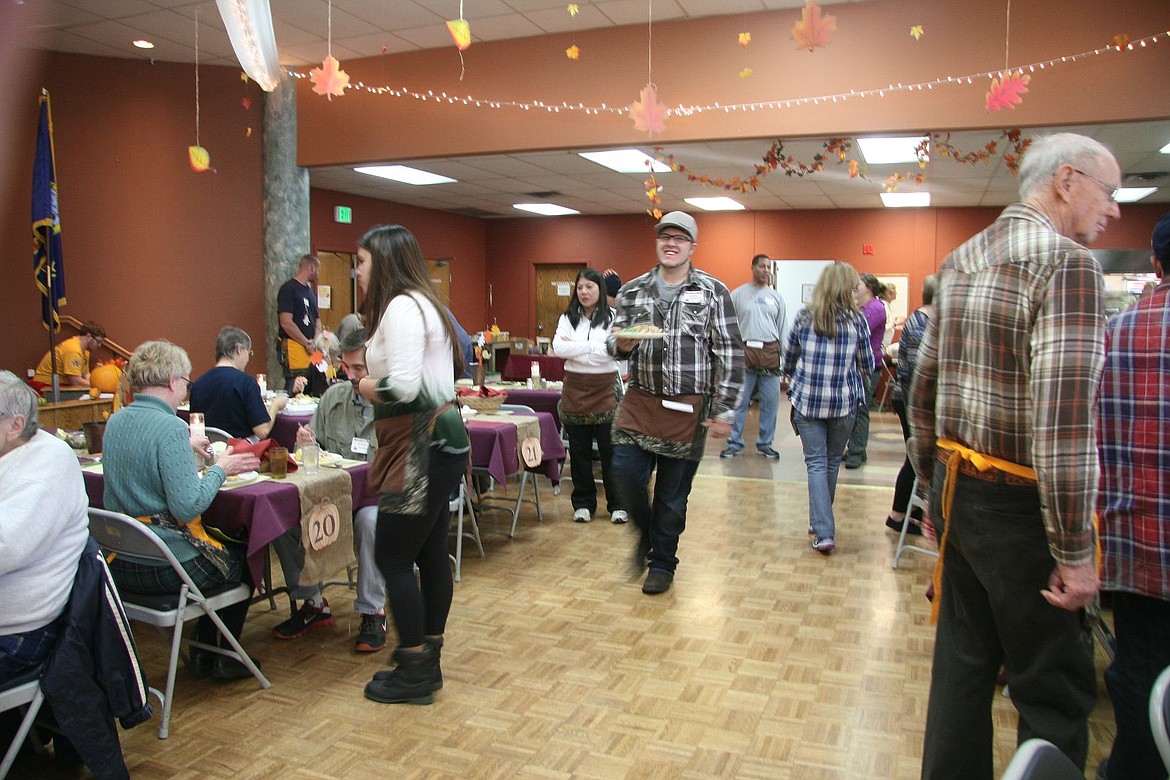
(342, 214)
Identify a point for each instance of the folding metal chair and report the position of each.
(1160, 715)
(524, 473)
(123, 535)
(915, 501)
(22, 691)
(1038, 759)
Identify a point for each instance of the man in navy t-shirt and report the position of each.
(228, 397)
(300, 322)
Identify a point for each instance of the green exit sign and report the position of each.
(342, 214)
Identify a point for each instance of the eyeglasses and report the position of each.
(674, 238)
(1109, 189)
(186, 379)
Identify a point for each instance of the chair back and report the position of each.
(517, 408)
(216, 434)
(1160, 715)
(1038, 759)
(121, 534)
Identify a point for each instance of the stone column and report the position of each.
(286, 211)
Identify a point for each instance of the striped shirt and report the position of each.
(824, 374)
(1010, 365)
(702, 352)
(911, 339)
(1134, 433)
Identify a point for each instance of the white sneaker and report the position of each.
(582, 516)
(619, 516)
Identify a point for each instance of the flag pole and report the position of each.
(50, 270)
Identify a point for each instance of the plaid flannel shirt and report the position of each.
(1010, 365)
(1133, 429)
(702, 352)
(825, 374)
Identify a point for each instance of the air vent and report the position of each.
(1147, 177)
(545, 195)
(474, 212)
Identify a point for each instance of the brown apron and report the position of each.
(588, 393)
(644, 413)
(766, 357)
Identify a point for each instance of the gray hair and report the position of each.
(229, 340)
(17, 398)
(156, 363)
(929, 288)
(353, 340)
(1049, 152)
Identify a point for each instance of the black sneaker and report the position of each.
(306, 619)
(896, 526)
(372, 635)
(730, 452)
(768, 453)
(657, 581)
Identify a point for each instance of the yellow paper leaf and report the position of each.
(199, 158)
(329, 79)
(573, 9)
(916, 32)
(744, 39)
(460, 33)
(746, 73)
(573, 52)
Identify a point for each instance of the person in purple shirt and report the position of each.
(869, 299)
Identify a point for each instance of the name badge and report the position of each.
(359, 446)
(692, 296)
(677, 407)
(754, 344)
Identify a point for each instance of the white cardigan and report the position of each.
(583, 347)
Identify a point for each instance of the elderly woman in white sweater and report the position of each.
(590, 394)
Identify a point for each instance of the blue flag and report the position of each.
(46, 224)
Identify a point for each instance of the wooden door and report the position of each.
(554, 288)
(441, 278)
(340, 285)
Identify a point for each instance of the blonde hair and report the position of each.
(833, 296)
(156, 363)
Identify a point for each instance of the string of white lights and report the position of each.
(681, 110)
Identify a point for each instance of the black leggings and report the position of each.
(905, 483)
(419, 607)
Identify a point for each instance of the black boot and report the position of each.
(433, 644)
(412, 682)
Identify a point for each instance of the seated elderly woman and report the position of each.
(228, 397)
(151, 473)
(43, 529)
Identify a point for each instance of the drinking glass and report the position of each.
(195, 421)
(310, 458)
(278, 462)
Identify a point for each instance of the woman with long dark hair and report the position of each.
(869, 293)
(590, 395)
(827, 356)
(413, 358)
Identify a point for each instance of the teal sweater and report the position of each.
(149, 468)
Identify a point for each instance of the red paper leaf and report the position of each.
(813, 28)
(1006, 94)
(648, 114)
(329, 79)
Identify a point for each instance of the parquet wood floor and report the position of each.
(765, 660)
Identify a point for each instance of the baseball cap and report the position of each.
(1161, 240)
(680, 220)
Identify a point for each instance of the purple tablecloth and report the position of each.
(519, 367)
(262, 511)
(284, 430)
(493, 446)
(538, 401)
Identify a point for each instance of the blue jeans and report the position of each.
(769, 403)
(665, 520)
(1142, 626)
(991, 613)
(824, 445)
(21, 652)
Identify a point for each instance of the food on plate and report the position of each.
(639, 331)
(246, 476)
(323, 458)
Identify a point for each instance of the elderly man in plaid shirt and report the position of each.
(1133, 428)
(1002, 400)
(683, 382)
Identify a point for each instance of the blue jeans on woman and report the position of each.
(824, 445)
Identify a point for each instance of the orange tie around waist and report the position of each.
(958, 454)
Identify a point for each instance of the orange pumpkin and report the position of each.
(105, 377)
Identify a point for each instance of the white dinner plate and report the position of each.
(640, 336)
(245, 478)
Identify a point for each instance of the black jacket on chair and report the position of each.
(92, 676)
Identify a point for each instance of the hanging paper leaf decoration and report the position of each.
(1006, 94)
(329, 79)
(916, 32)
(573, 9)
(247, 104)
(248, 133)
(1121, 41)
(813, 28)
(460, 33)
(243, 77)
(745, 38)
(385, 48)
(648, 114)
(854, 169)
(746, 73)
(199, 158)
(573, 53)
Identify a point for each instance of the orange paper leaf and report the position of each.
(813, 28)
(329, 79)
(1006, 94)
(648, 114)
(573, 53)
(744, 39)
(460, 33)
(1121, 40)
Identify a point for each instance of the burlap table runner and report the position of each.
(326, 521)
(526, 424)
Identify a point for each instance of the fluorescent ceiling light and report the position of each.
(545, 209)
(903, 200)
(626, 161)
(1131, 194)
(889, 151)
(143, 44)
(404, 174)
(715, 204)
(1165, 149)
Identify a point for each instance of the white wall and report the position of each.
(789, 278)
